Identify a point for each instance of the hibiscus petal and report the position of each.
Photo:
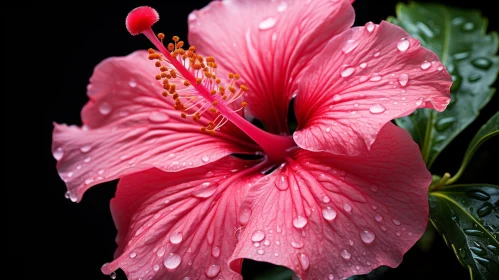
(334, 216)
(182, 224)
(130, 126)
(268, 43)
(364, 78)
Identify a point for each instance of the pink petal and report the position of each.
(130, 127)
(363, 79)
(182, 224)
(268, 44)
(326, 215)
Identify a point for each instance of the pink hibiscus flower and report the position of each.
(343, 194)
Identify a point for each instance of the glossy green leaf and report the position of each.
(487, 131)
(467, 217)
(459, 38)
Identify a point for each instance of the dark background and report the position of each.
(49, 52)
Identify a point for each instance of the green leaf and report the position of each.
(487, 131)
(467, 217)
(458, 37)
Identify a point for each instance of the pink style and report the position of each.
(342, 195)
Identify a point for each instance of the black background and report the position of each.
(49, 52)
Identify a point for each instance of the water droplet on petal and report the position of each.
(205, 190)
(297, 245)
(376, 54)
(378, 218)
(330, 277)
(215, 252)
(205, 158)
(419, 102)
(192, 17)
(403, 79)
(113, 275)
(105, 108)
(161, 251)
(133, 254)
(373, 188)
(260, 251)
(326, 199)
(132, 83)
(304, 261)
(347, 72)
(396, 222)
(425, 65)
(299, 222)
(336, 97)
(267, 23)
(403, 44)
(58, 153)
(158, 117)
(347, 207)
(346, 255)
(350, 46)
(67, 194)
(363, 65)
(328, 213)
(212, 270)
(155, 267)
(244, 216)
(375, 77)
(282, 7)
(258, 236)
(176, 238)
(370, 26)
(377, 109)
(367, 236)
(172, 261)
(85, 148)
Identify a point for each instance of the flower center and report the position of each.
(202, 90)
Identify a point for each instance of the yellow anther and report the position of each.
(215, 103)
(244, 104)
(171, 47)
(200, 58)
(183, 115)
(158, 77)
(198, 80)
(232, 89)
(243, 87)
(237, 76)
(175, 38)
(175, 96)
(192, 48)
(163, 68)
(172, 88)
(187, 83)
(164, 93)
(213, 92)
(231, 76)
(180, 44)
(173, 73)
(150, 50)
(218, 81)
(164, 74)
(203, 129)
(213, 110)
(161, 36)
(224, 97)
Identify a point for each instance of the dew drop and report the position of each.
(258, 236)
(105, 108)
(330, 277)
(304, 261)
(113, 275)
(244, 216)
(403, 79)
(478, 194)
(133, 255)
(155, 267)
(328, 213)
(378, 218)
(67, 194)
(347, 72)
(256, 244)
(485, 209)
(172, 261)
(444, 123)
(350, 46)
(482, 63)
(158, 117)
(336, 97)
(87, 160)
(367, 236)
(192, 17)
(403, 44)
(363, 79)
(425, 65)
(373, 188)
(282, 7)
(205, 158)
(297, 245)
(363, 65)
(396, 222)
(176, 238)
(299, 222)
(132, 83)
(375, 77)
(347, 207)
(260, 251)
(212, 270)
(440, 68)
(205, 190)
(58, 153)
(370, 26)
(85, 148)
(267, 23)
(377, 109)
(346, 255)
(469, 26)
(215, 252)
(398, 233)
(326, 199)
(161, 251)
(376, 54)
